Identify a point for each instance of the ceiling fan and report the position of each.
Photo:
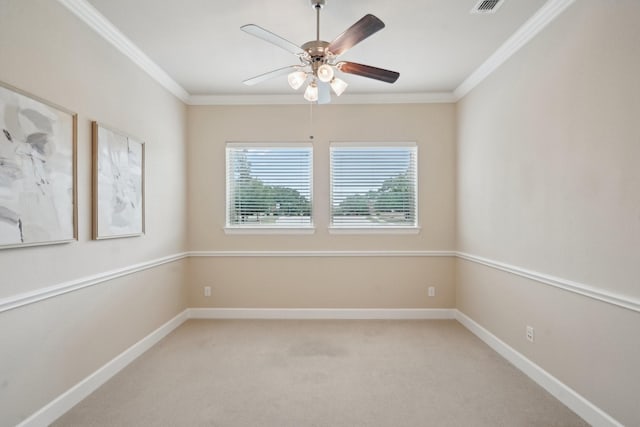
(318, 58)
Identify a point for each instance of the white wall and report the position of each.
(47, 347)
(548, 179)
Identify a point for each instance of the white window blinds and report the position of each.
(374, 186)
(269, 185)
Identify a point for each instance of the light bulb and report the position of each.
(311, 94)
(325, 73)
(338, 86)
(296, 79)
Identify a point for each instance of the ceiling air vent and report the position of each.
(487, 6)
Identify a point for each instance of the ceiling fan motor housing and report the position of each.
(318, 4)
(317, 54)
(316, 49)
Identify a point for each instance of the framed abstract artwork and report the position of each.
(118, 183)
(38, 195)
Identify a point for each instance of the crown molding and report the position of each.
(543, 17)
(246, 99)
(298, 99)
(101, 25)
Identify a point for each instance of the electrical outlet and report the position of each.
(207, 291)
(432, 291)
(530, 333)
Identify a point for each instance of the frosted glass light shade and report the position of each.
(311, 94)
(338, 86)
(297, 79)
(325, 73)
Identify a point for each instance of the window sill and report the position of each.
(269, 230)
(374, 230)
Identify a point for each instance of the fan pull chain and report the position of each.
(311, 120)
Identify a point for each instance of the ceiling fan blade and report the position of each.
(359, 31)
(275, 39)
(324, 93)
(368, 71)
(269, 75)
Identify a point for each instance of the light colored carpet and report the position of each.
(320, 373)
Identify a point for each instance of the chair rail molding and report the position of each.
(19, 300)
(599, 294)
(37, 295)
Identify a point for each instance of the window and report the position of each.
(374, 186)
(269, 186)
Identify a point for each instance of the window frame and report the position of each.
(230, 228)
(363, 229)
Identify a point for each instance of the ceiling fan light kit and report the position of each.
(311, 93)
(297, 79)
(318, 59)
(325, 73)
(338, 86)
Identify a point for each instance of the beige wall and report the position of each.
(65, 62)
(432, 127)
(546, 174)
(549, 149)
(590, 346)
(49, 346)
(548, 179)
(322, 282)
(283, 282)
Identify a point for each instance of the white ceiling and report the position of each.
(434, 44)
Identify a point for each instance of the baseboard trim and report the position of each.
(581, 406)
(63, 403)
(67, 400)
(215, 254)
(321, 313)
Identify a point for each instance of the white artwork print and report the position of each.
(36, 171)
(119, 185)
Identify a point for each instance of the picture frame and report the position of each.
(38, 171)
(118, 183)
